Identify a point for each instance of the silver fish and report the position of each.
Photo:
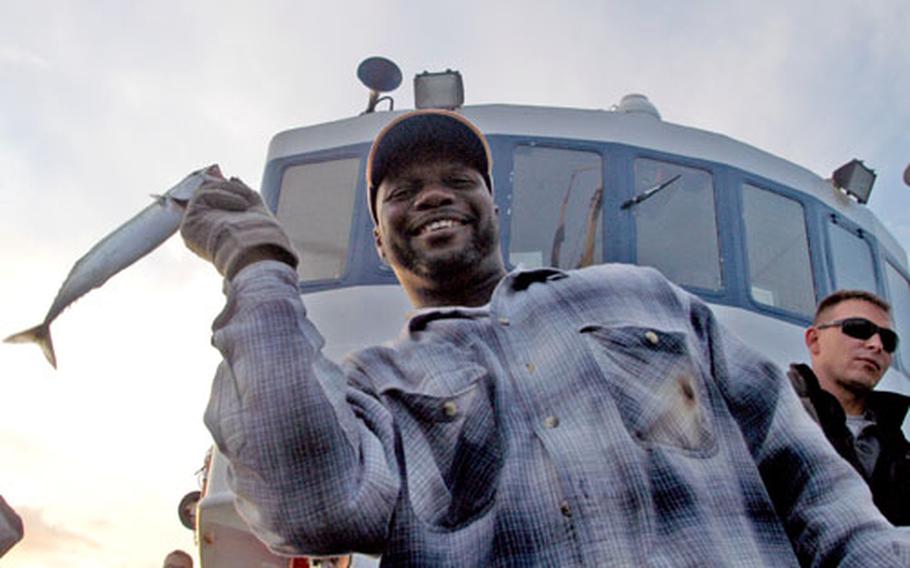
(128, 243)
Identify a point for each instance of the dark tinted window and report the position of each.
(778, 251)
(676, 227)
(899, 294)
(852, 257)
(556, 209)
(315, 207)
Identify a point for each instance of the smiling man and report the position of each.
(431, 201)
(595, 417)
(851, 344)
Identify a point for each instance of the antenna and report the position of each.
(379, 75)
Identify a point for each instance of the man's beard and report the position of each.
(455, 266)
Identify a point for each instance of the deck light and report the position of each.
(438, 90)
(856, 179)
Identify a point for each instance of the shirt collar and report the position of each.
(516, 281)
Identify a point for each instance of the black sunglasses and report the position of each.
(861, 328)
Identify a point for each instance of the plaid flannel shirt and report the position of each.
(597, 417)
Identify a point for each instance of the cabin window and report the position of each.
(675, 223)
(315, 207)
(780, 273)
(899, 290)
(557, 199)
(852, 259)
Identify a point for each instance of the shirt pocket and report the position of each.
(657, 388)
(449, 446)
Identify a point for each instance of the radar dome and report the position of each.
(637, 103)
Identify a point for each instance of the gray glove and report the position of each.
(227, 224)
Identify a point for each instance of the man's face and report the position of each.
(844, 362)
(437, 222)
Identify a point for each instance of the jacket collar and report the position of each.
(889, 408)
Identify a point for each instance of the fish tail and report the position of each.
(40, 334)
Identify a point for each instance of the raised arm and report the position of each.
(309, 446)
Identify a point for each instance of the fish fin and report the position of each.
(160, 199)
(214, 172)
(40, 334)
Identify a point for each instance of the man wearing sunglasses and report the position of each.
(851, 344)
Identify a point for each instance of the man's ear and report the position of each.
(811, 339)
(377, 239)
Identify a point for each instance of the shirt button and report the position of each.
(550, 422)
(504, 321)
(531, 367)
(565, 509)
(449, 408)
(652, 337)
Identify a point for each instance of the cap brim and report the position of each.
(422, 133)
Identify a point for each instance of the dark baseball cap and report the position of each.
(418, 132)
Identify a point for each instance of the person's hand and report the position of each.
(227, 224)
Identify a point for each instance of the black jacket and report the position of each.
(890, 479)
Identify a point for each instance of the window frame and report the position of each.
(506, 209)
(887, 259)
(361, 266)
(835, 218)
(716, 173)
(745, 282)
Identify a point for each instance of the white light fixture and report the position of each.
(438, 90)
(856, 179)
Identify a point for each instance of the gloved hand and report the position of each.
(227, 224)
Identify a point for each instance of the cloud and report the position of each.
(15, 56)
(42, 536)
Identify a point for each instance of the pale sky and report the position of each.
(104, 102)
